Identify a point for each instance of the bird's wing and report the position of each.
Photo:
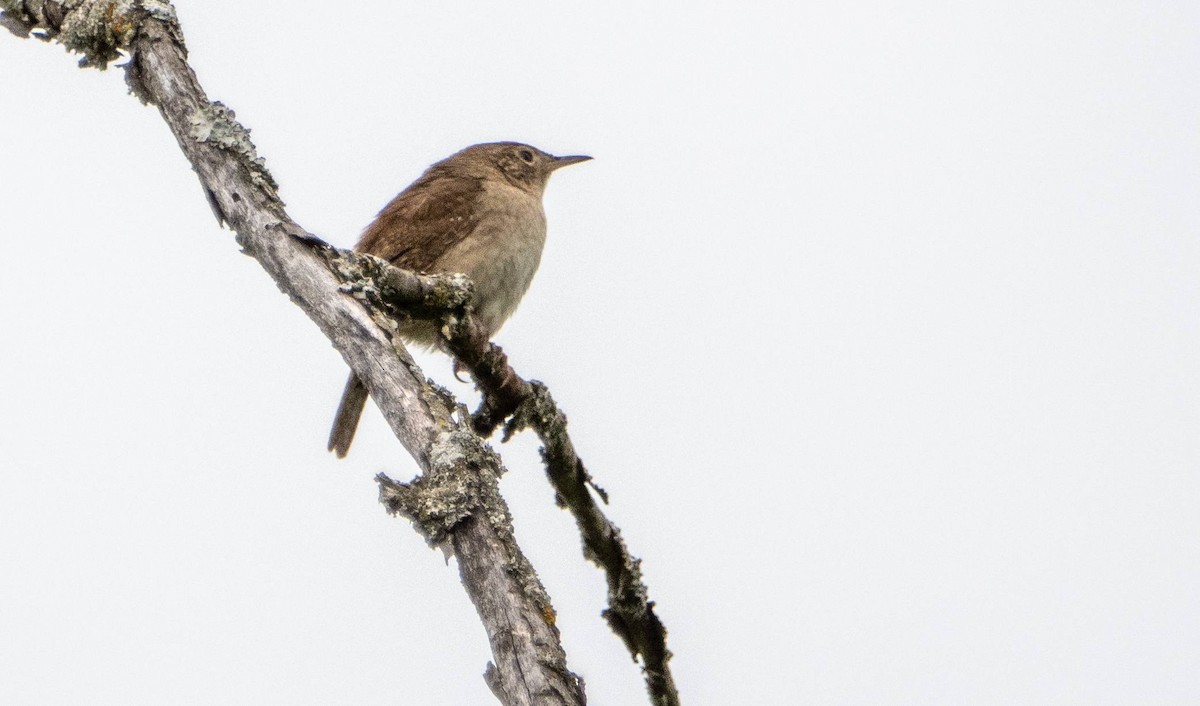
(424, 221)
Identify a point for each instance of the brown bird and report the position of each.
(478, 212)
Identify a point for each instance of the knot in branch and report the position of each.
(392, 294)
(539, 411)
(459, 483)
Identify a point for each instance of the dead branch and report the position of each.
(455, 503)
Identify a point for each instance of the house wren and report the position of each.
(478, 212)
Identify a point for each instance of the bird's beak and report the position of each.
(560, 162)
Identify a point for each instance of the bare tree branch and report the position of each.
(630, 612)
(455, 503)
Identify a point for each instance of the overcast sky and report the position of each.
(880, 323)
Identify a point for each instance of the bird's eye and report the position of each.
(526, 155)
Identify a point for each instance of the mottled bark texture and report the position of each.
(357, 300)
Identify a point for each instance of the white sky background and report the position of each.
(881, 325)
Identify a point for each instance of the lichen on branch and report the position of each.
(216, 124)
(100, 30)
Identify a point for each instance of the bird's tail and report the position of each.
(354, 398)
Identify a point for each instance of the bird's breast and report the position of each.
(502, 253)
